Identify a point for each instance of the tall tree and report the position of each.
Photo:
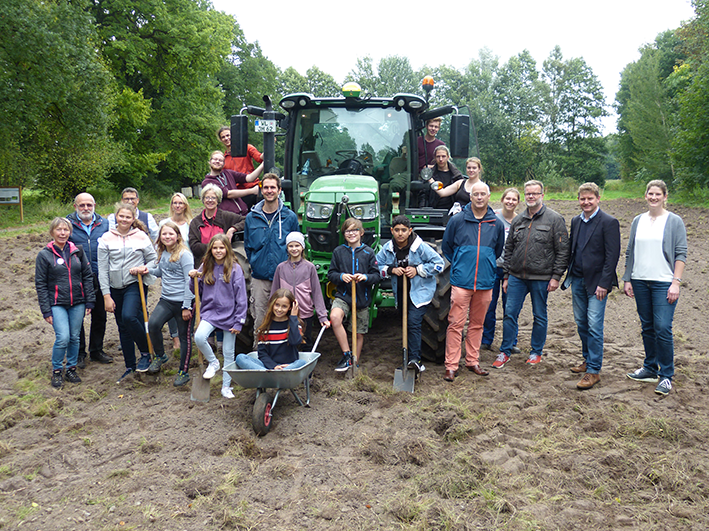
(56, 98)
(167, 53)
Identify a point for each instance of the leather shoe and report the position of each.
(450, 376)
(515, 350)
(81, 360)
(485, 346)
(477, 369)
(101, 357)
(588, 381)
(581, 368)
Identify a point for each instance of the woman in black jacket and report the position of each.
(65, 290)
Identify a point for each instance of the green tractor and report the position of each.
(349, 156)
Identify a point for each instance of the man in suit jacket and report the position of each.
(595, 249)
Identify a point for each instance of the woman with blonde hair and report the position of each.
(180, 215)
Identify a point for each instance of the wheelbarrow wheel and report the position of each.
(262, 416)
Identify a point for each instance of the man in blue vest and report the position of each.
(88, 227)
(130, 195)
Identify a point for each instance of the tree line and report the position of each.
(663, 108)
(118, 92)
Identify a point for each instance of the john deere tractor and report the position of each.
(351, 156)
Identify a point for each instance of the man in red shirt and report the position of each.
(240, 164)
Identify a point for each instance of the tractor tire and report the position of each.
(435, 322)
(245, 338)
(262, 414)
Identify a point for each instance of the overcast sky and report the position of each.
(332, 35)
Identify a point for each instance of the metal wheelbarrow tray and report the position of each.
(261, 380)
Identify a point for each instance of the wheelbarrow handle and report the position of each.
(317, 341)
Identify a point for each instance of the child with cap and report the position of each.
(300, 276)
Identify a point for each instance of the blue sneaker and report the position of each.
(143, 363)
(664, 387)
(345, 362)
(643, 375)
(158, 362)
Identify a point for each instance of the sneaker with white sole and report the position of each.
(501, 360)
(664, 387)
(227, 392)
(212, 369)
(143, 363)
(416, 365)
(534, 359)
(345, 362)
(643, 375)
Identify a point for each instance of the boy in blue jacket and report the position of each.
(352, 261)
(407, 258)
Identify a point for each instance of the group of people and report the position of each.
(490, 252)
(529, 253)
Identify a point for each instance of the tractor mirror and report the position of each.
(460, 136)
(239, 135)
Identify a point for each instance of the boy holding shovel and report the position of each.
(407, 258)
(352, 261)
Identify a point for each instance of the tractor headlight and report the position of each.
(318, 211)
(367, 211)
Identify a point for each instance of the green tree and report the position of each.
(169, 54)
(56, 96)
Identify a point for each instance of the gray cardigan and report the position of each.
(674, 243)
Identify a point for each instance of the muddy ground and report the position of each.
(520, 449)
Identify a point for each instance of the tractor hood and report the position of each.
(331, 188)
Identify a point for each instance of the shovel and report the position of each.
(404, 378)
(200, 386)
(355, 359)
(145, 315)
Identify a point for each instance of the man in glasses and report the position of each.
(130, 196)
(536, 256)
(88, 227)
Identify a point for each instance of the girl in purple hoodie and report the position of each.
(224, 302)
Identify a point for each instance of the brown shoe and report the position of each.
(581, 368)
(588, 381)
(450, 376)
(477, 369)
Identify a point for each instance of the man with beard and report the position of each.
(88, 227)
(536, 255)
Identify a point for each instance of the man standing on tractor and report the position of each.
(536, 256)
(472, 242)
(240, 164)
(428, 143)
(267, 226)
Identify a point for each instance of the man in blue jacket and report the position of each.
(267, 225)
(472, 242)
(88, 227)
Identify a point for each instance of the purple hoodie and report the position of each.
(224, 305)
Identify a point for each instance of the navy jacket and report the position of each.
(600, 254)
(345, 259)
(88, 243)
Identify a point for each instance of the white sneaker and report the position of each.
(227, 392)
(212, 369)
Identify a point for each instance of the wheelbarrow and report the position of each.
(280, 380)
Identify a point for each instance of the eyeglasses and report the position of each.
(209, 198)
(85, 205)
(532, 194)
(130, 199)
(352, 232)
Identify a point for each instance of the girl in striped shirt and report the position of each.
(279, 335)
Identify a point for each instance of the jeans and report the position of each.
(413, 327)
(490, 316)
(163, 312)
(67, 322)
(248, 363)
(466, 304)
(129, 318)
(204, 330)
(656, 315)
(589, 313)
(98, 325)
(517, 290)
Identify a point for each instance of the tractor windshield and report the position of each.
(372, 141)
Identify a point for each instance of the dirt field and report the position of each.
(520, 449)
